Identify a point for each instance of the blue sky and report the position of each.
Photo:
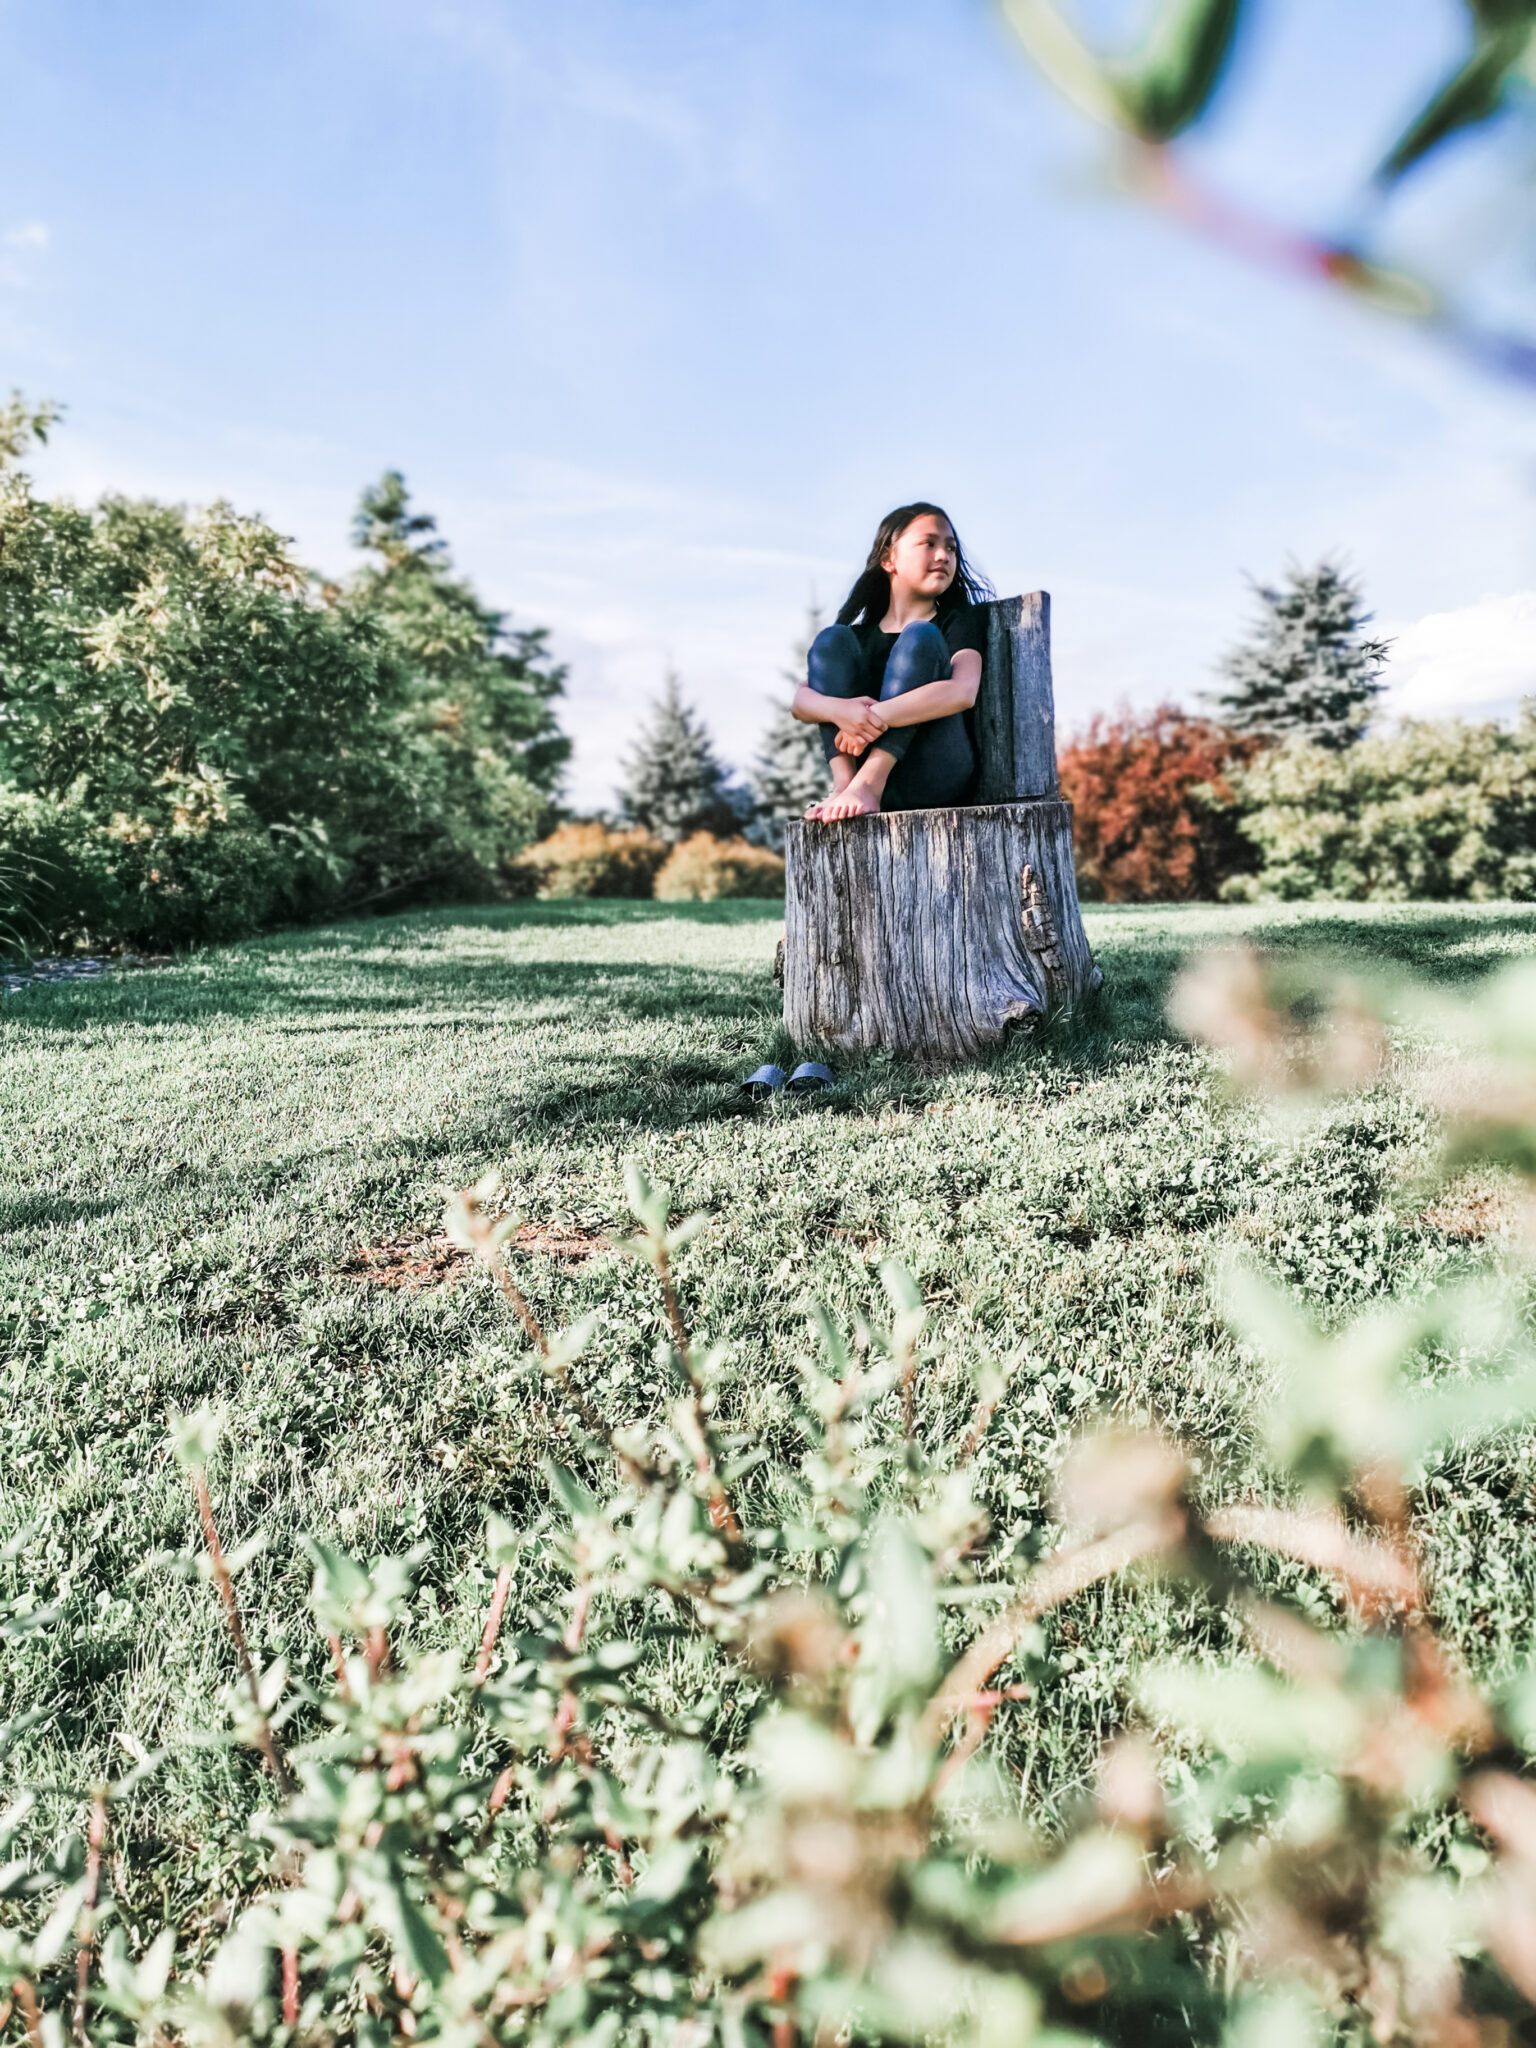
(660, 304)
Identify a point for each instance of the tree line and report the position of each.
(201, 737)
(1282, 786)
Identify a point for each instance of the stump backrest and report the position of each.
(1015, 708)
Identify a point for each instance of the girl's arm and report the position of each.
(931, 700)
(937, 700)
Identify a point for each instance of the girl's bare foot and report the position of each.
(853, 802)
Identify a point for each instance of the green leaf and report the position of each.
(194, 1438)
(651, 1205)
(669, 1872)
(1065, 58)
(1154, 95)
(832, 1340)
(1286, 2017)
(236, 1560)
(568, 1346)
(155, 1967)
(580, 1505)
(1468, 97)
(24, 1624)
(12, 1731)
(901, 1289)
(899, 1638)
(398, 1916)
(340, 1581)
(1252, 1715)
(59, 1927)
(1176, 78)
(242, 1964)
(503, 1543)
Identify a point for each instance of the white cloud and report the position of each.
(1476, 661)
(29, 234)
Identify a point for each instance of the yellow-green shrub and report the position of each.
(704, 868)
(592, 860)
(1435, 810)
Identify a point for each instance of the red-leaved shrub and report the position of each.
(1147, 789)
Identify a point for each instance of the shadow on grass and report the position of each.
(417, 973)
(32, 1211)
(407, 995)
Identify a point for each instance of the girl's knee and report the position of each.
(921, 633)
(834, 639)
(921, 655)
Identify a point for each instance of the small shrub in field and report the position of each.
(1150, 793)
(1436, 809)
(704, 868)
(593, 860)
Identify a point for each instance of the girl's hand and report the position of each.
(861, 721)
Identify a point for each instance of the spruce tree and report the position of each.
(790, 768)
(475, 673)
(674, 783)
(1308, 671)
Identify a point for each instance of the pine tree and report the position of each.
(1309, 671)
(674, 783)
(790, 769)
(475, 673)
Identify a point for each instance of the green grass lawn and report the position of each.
(193, 1157)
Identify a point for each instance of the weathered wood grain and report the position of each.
(1015, 708)
(932, 933)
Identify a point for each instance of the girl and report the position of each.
(892, 683)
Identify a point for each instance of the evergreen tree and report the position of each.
(475, 675)
(674, 783)
(790, 768)
(1309, 671)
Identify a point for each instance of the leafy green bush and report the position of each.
(195, 739)
(1429, 811)
(593, 860)
(172, 881)
(702, 869)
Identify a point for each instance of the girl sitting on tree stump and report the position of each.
(892, 683)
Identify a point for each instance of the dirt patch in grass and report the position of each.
(1474, 1212)
(569, 1243)
(421, 1260)
(411, 1263)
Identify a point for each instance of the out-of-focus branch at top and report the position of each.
(1168, 86)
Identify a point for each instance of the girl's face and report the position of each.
(922, 557)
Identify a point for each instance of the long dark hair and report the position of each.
(870, 598)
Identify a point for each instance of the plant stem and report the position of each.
(266, 1741)
(95, 1836)
(26, 1998)
(1059, 1578)
(722, 1515)
(493, 1624)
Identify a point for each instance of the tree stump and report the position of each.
(936, 933)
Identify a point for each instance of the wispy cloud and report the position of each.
(27, 234)
(1477, 660)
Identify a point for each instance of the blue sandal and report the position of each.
(765, 1082)
(808, 1077)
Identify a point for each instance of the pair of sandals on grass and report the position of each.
(807, 1078)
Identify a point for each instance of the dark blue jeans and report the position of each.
(935, 761)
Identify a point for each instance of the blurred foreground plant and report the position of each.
(805, 1831)
(1153, 95)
